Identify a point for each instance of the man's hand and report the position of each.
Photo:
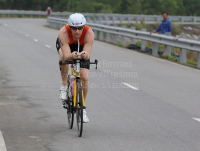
(75, 55)
(153, 32)
(84, 55)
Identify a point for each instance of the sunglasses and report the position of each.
(75, 28)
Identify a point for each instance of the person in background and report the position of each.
(49, 11)
(164, 27)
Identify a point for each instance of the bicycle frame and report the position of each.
(75, 89)
(76, 72)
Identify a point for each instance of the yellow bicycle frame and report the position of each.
(83, 101)
(75, 89)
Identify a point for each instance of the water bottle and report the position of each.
(72, 85)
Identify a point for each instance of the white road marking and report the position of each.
(197, 119)
(35, 40)
(27, 35)
(3, 80)
(34, 137)
(5, 25)
(48, 46)
(2, 143)
(130, 86)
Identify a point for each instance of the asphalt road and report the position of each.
(158, 110)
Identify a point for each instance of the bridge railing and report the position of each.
(104, 32)
(104, 18)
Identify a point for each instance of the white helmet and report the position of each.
(76, 20)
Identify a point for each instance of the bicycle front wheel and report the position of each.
(70, 110)
(79, 108)
(70, 114)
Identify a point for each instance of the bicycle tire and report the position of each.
(79, 109)
(70, 110)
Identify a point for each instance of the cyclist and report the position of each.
(48, 11)
(67, 46)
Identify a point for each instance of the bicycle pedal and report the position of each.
(65, 107)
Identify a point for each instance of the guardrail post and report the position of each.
(136, 19)
(95, 34)
(88, 19)
(58, 26)
(133, 41)
(157, 20)
(129, 20)
(143, 47)
(53, 25)
(113, 19)
(182, 19)
(183, 53)
(198, 65)
(99, 18)
(115, 39)
(101, 35)
(92, 19)
(145, 20)
(124, 38)
(107, 37)
(106, 20)
(115, 36)
(194, 19)
(31, 16)
(120, 20)
(15, 15)
(50, 24)
(155, 49)
(168, 48)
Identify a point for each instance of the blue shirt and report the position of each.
(165, 26)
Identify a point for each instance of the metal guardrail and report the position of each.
(105, 18)
(169, 41)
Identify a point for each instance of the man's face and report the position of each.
(76, 32)
(164, 15)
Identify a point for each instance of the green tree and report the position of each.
(149, 7)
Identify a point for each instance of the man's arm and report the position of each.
(158, 29)
(89, 39)
(64, 43)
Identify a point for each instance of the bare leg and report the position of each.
(84, 78)
(63, 69)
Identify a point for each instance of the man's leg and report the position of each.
(63, 68)
(64, 73)
(84, 77)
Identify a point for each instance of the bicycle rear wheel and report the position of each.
(79, 109)
(70, 110)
